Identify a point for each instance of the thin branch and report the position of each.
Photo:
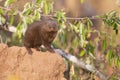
(8, 9)
(68, 18)
(73, 18)
(93, 17)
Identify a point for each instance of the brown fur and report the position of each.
(40, 33)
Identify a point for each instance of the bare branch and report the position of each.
(81, 64)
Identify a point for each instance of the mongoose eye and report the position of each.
(50, 27)
(53, 28)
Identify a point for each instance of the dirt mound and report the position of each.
(17, 64)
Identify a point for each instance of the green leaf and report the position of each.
(119, 63)
(82, 33)
(114, 26)
(50, 6)
(46, 8)
(63, 37)
(1, 11)
(107, 56)
(28, 20)
(89, 23)
(112, 13)
(90, 48)
(82, 53)
(71, 50)
(110, 55)
(37, 15)
(75, 42)
(104, 43)
(11, 20)
(2, 20)
(118, 21)
(8, 2)
(116, 31)
(19, 30)
(27, 11)
(39, 1)
(61, 16)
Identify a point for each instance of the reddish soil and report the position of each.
(17, 64)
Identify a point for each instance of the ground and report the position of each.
(17, 64)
